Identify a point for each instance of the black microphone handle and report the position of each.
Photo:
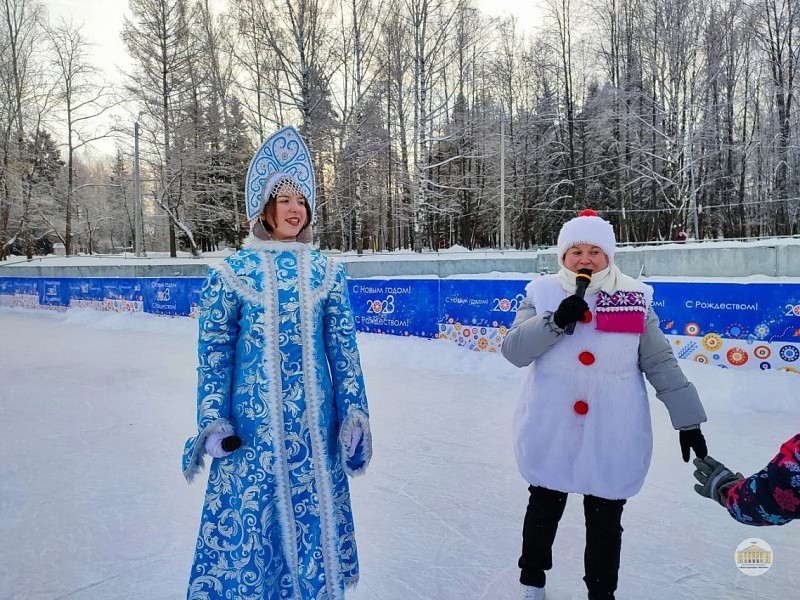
(580, 291)
(580, 287)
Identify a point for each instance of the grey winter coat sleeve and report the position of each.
(662, 370)
(530, 335)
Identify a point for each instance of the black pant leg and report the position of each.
(603, 545)
(545, 508)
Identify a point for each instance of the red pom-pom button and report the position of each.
(587, 317)
(581, 407)
(587, 358)
(587, 212)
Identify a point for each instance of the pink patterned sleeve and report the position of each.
(771, 496)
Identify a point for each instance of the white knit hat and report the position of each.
(587, 228)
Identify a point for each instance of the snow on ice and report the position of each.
(97, 408)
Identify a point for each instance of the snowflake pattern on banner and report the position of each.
(734, 345)
(688, 350)
(480, 339)
(724, 352)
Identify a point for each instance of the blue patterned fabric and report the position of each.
(279, 366)
(284, 154)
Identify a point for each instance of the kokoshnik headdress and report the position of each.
(283, 159)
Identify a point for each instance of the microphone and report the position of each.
(582, 280)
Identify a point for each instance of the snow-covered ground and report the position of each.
(97, 406)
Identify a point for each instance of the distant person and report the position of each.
(769, 497)
(281, 404)
(583, 420)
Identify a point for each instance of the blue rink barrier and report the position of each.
(171, 296)
(731, 325)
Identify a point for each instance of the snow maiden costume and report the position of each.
(279, 368)
(582, 424)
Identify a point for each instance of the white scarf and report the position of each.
(609, 280)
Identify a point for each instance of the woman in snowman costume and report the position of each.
(582, 424)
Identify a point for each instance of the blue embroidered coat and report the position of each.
(771, 496)
(279, 367)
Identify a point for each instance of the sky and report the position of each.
(103, 20)
(527, 12)
(97, 407)
(102, 23)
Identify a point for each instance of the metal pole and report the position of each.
(694, 207)
(692, 181)
(137, 197)
(502, 181)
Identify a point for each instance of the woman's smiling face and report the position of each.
(291, 213)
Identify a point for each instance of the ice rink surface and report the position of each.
(96, 408)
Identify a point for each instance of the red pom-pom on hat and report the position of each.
(587, 212)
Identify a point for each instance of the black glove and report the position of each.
(571, 310)
(231, 443)
(692, 439)
(715, 479)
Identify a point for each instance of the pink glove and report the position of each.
(214, 444)
(355, 438)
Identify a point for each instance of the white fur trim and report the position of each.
(272, 372)
(251, 242)
(587, 230)
(325, 287)
(197, 462)
(226, 273)
(314, 395)
(355, 418)
(530, 286)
